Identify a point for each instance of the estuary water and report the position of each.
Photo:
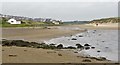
(104, 41)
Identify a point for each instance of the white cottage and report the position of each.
(13, 21)
(55, 22)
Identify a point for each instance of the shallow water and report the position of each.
(105, 41)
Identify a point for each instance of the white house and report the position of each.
(13, 21)
(55, 22)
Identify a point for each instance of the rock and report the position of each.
(52, 44)
(79, 46)
(87, 45)
(99, 34)
(73, 39)
(80, 36)
(101, 59)
(98, 51)
(25, 50)
(86, 60)
(75, 52)
(106, 47)
(12, 55)
(6, 43)
(70, 47)
(93, 58)
(59, 54)
(103, 41)
(87, 48)
(60, 46)
(95, 30)
(51, 52)
(92, 47)
(78, 56)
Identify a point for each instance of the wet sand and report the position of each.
(36, 34)
(32, 55)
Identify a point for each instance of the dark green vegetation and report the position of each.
(21, 43)
(26, 23)
(107, 20)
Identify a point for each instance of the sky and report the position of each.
(64, 10)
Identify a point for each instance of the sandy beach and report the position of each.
(104, 26)
(36, 34)
(32, 55)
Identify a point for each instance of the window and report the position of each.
(12, 21)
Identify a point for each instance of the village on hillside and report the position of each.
(10, 19)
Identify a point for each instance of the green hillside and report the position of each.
(107, 20)
(25, 23)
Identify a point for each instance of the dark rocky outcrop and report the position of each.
(87, 48)
(60, 46)
(22, 43)
(98, 51)
(92, 47)
(70, 47)
(73, 39)
(80, 46)
(101, 59)
(80, 36)
(59, 54)
(87, 45)
(86, 60)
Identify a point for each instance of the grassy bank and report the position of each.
(26, 23)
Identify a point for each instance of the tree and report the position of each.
(4, 20)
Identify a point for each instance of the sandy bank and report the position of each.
(104, 26)
(36, 34)
(32, 55)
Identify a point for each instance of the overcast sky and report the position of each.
(62, 10)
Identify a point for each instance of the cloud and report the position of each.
(62, 10)
(59, 0)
